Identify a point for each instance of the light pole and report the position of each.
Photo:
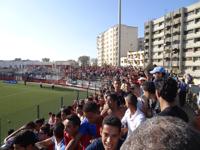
(119, 32)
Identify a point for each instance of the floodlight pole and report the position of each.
(119, 32)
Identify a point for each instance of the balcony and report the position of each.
(191, 26)
(196, 53)
(175, 46)
(168, 32)
(188, 63)
(167, 51)
(168, 24)
(189, 36)
(157, 49)
(168, 39)
(192, 35)
(168, 16)
(147, 30)
(176, 30)
(157, 42)
(189, 45)
(196, 44)
(175, 63)
(191, 17)
(176, 38)
(177, 13)
(177, 21)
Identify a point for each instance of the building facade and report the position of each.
(140, 44)
(133, 58)
(107, 44)
(173, 40)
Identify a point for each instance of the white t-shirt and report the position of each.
(133, 121)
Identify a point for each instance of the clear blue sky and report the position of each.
(67, 29)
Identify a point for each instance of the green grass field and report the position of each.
(18, 103)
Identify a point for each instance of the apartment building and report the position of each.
(173, 40)
(107, 44)
(133, 58)
(140, 44)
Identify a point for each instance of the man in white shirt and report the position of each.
(133, 116)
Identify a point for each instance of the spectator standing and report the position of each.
(110, 140)
(166, 92)
(133, 116)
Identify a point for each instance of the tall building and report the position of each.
(173, 41)
(140, 44)
(107, 44)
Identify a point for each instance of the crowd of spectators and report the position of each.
(136, 110)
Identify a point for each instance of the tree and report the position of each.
(72, 62)
(93, 62)
(17, 59)
(46, 59)
(84, 60)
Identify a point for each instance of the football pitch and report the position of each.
(19, 103)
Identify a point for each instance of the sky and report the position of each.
(67, 29)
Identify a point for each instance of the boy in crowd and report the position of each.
(114, 106)
(133, 116)
(150, 102)
(72, 125)
(90, 126)
(57, 139)
(25, 140)
(166, 92)
(110, 140)
(117, 89)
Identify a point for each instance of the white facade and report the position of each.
(173, 41)
(107, 44)
(133, 58)
(124, 62)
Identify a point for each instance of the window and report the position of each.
(161, 23)
(196, 49)
(197, 10)
(197, 20)
(160, 31)
(197, 40)
(197, 30)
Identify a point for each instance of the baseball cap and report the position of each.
(158, 70)
(142, 78)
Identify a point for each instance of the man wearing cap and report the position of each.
(158, 73)
(141, 80)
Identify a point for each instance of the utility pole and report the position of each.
(119, 32)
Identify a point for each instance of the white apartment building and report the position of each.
(133, 58)
(173, 40)
(107, 44)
